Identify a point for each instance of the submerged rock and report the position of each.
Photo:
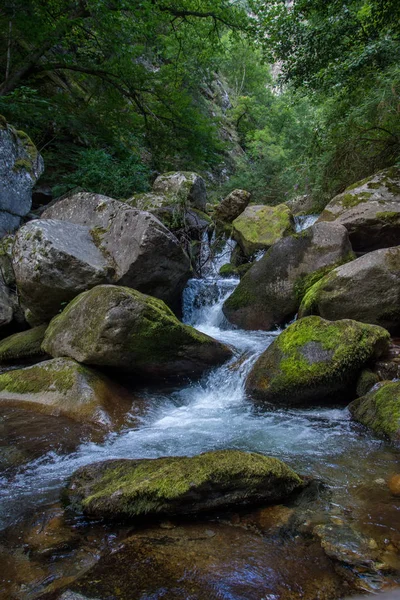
(119, 327)
(54, 262)
(20, 167)
(370, 211)
(314, 360)
(271, 291)
(143, 253)
(366, 289)
(25, 344)
(63, 387)
(259, 227)
(380, 409)
(232, 206)
(187, 187)
(179, 485)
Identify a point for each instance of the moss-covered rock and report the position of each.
(366, 289)
(119, 327)
(370, 211)
(271, 291)
(188, 188)
(63, 387)
(366, 381)
(258, 227)
(179, 485)
(314, 360)
(229, 270)
(380, 409)
(25, 344)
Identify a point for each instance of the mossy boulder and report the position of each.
(270, 293)
(53, 262)
(20, 167)
(315, 361)
(232, 206)
(180, 485)
(370, 211)
(26, 344)
(259, 227)
(143, 253)
(119, 327)
(63, 387)
(366, 381)
(229, 270)
(380, 409)
(366, 289)
(189, 188)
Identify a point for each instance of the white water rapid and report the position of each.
(211, 413)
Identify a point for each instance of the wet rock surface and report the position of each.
(270, 293)
(118, 327)
(366, 289)
(314, 360)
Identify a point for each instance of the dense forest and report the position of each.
(275, 97)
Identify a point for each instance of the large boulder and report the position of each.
(380, 409)
(63, 387)
(120, 327)
(7, 304)
(20, 167)
(366, 289)
(259, 227)
(370, 211)
(270, 292)
(179, 485)
(185, 187)
(144, 253)
(232, 206)
(314, 361)
(53, 262)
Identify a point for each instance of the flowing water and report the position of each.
(215, 413)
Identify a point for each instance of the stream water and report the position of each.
(215, 413)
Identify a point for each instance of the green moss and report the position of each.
(351, 200)
(22, 164)
(312, 351)
(366, 381)
(149, 486)
(305, 282)
(358, 184)
(37, 379)
(28, 145)
(380, 410)
(392, 259)
(3, 122)
(310, 298)
(256, 230)
(22, 345)
(389, 216)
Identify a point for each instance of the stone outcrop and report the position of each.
(63, 387)
(314, 361)
(232, 206)
(179, 485)
(144, 254)
(270, 293)
(53, 262)
(366, 289)
(259, 227)
(119, 327)
(25, 344)
(370, 211)
(20, 167)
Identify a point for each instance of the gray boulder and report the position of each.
(366, 289)
(187, 187)
(20, 167)
(53, 262)
(232, 206)
(270, 293)
(114, 326)
(370, 211)
(145, 255)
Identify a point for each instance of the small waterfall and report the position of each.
(304, 222)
